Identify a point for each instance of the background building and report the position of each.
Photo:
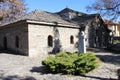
(114, 27)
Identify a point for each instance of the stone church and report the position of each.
(40, 32)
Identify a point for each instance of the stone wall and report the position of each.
(32, 39)
(38, 39)
(14, 38)
(97, 34)
(116, 38)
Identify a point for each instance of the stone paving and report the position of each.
(16, 67)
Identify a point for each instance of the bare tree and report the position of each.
(11, 9)
(108, 8)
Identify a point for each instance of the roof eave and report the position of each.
(41, 23)
(52, 24)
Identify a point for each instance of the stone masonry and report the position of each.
(40, 32)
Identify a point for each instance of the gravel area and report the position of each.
(16, 67)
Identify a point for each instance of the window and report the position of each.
(17, 41)
(71, 40)
(50, 41)
(5, 43)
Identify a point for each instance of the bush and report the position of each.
(85, 63)
(116, 41)
(71, 63)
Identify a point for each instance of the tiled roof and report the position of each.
(77, 17)
(85, 18)
(70, 10)
(110, 22)
(43, 16)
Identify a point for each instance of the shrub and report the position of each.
(85, 63)
(71, 63)
(50, 63)
(116, 41)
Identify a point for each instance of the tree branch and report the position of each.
(117, 5)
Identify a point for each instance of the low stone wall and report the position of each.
(116, 38)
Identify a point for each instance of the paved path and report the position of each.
(16, 67)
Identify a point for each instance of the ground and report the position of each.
(16, 67)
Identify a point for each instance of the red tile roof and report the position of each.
(110, 22)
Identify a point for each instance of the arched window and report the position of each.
(5, 42)
(71, 40)
(50, 41)
(17, 41)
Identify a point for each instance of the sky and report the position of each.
(57, 5)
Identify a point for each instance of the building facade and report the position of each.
(40, 32)
(114, 27)
(97, 33)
